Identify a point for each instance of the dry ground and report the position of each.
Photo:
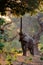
(22, 60)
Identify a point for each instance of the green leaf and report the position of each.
(2, 21)
(1, 46)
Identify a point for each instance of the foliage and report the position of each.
(41, 39)
(19, 7)
(1, 36)
(8, 57)
(12, 46)
(30, 59)
(1, 46)
(1, 21)
(16, 44)
(41, 48)
(10, 60)
(20, 51)
(41, 58)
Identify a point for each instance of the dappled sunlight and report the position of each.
(21, 32)
(12, 49)
(7, 18)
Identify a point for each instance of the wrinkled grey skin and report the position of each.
(29, 43)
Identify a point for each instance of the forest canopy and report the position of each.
(20, 7)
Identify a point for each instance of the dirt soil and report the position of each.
(22, 60)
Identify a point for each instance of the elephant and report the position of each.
(29, 43)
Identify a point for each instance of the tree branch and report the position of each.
(6, 24)
(11, 39)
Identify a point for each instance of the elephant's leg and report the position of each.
(24, 49)
(32, 51)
